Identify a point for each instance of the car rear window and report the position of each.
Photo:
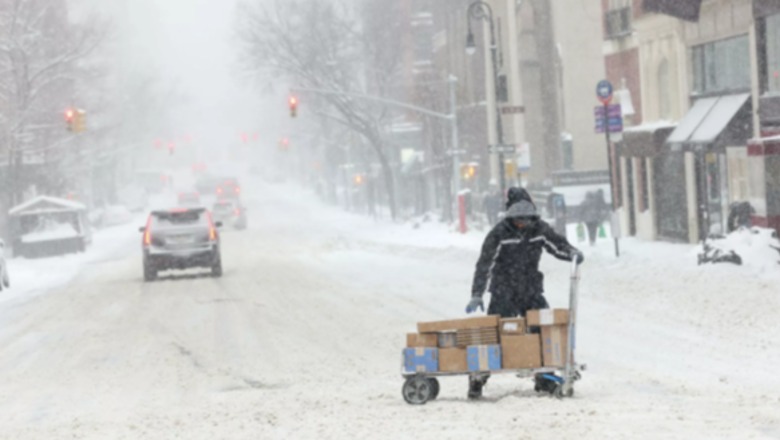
(182, 218)
(223, 207)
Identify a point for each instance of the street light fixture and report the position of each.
(480, 10)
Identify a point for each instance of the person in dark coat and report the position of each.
(492, 205)
(508, 267)
(594, 211)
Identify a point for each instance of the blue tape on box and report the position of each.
(421, 359)
(484, 357)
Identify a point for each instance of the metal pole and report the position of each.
(499, 124)
(455, 153)
(611, 179)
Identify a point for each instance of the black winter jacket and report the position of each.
(509, 264)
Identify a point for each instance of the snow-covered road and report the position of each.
(301, 338)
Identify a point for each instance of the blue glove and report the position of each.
(475, 302)
(578, 257)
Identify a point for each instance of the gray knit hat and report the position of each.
(523, 208)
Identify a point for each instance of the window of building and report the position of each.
(721, 66)
(773, 52)
(617, 19)
(664, 91)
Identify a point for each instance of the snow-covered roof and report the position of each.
(50, 204)
(650, 127)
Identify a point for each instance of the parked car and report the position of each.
(188, 199)
(230, 212)
(180, 239)
(4, 278)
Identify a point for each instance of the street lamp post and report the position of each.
(480, 10)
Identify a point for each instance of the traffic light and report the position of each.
(171, 148)
(358, 179)
(293, 106)
(76, 120)
(468, 171)
(284, 144)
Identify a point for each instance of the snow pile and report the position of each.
(115, 215)
(759, 248)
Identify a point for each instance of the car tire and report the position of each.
(216, 268)
(150, 274)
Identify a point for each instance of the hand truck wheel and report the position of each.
(417, 390)
(560, 394)
(434, 387)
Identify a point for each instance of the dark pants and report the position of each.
(593, 228)
(510, 306)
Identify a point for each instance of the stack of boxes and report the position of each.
(488, 343)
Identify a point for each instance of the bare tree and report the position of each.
(327, 44)
(39, 51)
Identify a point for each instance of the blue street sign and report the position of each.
(611, 116)
(604, 91)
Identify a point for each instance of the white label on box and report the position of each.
(510, 326)
(546, 317)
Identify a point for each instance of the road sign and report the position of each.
(604, 91)
(506, 149)
(512, 109)
(613, 119)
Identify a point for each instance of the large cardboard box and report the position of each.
(484, 357)
(554, 343)
(458, 324)
(511, 326)
(421, 359)
(447, 340)
(477, 336)
(453, 360)
(521, 351)
(537, 318)
(421, 340)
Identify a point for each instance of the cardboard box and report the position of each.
(457, 324)
(421, 359)
(447, 340)
(537, 318)
(453, 360)
(477, 336)
(554, 342)
(521, 351)
(421, 340)
(484, 357)
(511, 326)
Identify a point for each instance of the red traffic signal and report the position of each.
(293, 106)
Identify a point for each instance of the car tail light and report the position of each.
(219, 190)
(212, 229)
(238, 190)
(238, 211)
(148, 232)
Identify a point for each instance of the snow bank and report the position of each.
(759, 248)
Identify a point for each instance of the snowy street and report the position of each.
(302, 337)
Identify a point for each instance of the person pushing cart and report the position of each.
(508, 268)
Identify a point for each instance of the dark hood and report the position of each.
(516, 194)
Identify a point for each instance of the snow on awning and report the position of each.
(719, 118)
(691, 120)
(646, 140)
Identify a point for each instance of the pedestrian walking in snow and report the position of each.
(508, 266)
(593, 211)
(492, 205)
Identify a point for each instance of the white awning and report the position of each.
(692, 120)
(718, 118)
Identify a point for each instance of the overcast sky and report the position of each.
(190, 44)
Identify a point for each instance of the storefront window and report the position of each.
(773, 52)
(721, 66)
